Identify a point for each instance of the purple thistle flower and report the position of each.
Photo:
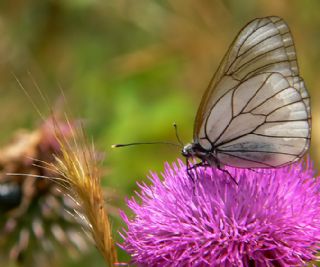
(271, 218)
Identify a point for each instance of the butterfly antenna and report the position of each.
(180, 143)
(145, 143)
(177, 135)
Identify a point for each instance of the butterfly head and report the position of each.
(193, 150)
(187, 151)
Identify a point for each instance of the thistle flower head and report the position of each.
(271, 218)
(36, 218)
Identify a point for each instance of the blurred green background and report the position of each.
(132, 68)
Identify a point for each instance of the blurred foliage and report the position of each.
(131, 69)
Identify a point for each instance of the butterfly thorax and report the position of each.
(195, 150)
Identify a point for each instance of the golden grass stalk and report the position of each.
(80, 176)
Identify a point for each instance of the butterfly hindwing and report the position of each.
(256, 111)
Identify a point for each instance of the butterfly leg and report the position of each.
(195, 166)
(227, 172)
(200, 164)
(188, 170)
(214, 162)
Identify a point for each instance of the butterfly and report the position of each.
(255, 112)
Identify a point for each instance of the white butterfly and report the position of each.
(256, 110)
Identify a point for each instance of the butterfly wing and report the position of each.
(256, 110)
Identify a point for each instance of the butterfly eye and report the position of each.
(187, 150)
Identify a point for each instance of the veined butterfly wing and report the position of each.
(256, 110)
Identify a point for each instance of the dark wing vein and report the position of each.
(243, 158)
(280, 136)
(239, 136)
(261, 151)
(260, 69)
(258, 57)
(241, 45)
(255, 94)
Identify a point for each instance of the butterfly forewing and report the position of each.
(256, 110)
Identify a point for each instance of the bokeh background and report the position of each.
(130, 69)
